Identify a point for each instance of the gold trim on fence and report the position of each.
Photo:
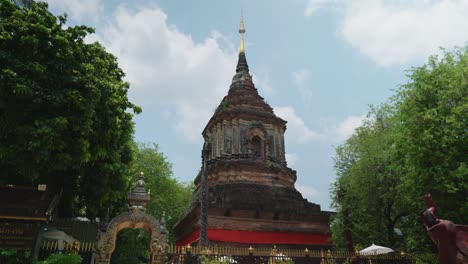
(273, 251)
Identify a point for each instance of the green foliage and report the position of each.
(24, 3)
(64, 118)
(213, 260)
(132, 246)
(12, 256)
(168, 195)
(369, 181)
(62, 259)
(415, 144)
(425, 258)
(433, 113)
(287, 261)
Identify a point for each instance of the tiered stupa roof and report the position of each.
(251, 194)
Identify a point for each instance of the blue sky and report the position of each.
(318, 63)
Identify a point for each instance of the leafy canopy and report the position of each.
(64, 111)
(415, 144)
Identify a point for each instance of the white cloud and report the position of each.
(78, 10)
(398, 32)
(291, 158)
(308, 192)
(336, 131)
(166, 66)
(331, 130)
(346, 127)
(297, 130)
(300, 78)
(262, 82)
(313, 6)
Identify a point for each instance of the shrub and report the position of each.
(62, 259)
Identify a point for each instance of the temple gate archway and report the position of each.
(135, 218)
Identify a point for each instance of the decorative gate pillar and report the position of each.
(134, 218)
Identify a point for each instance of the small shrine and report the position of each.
(136, 217)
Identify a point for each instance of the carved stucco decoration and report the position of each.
(257, 130)
(133, 219)
(228, 145)
(254, 131)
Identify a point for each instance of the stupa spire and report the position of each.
(242, 63)
(242, 31)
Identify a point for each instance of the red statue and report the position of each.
(451, 239)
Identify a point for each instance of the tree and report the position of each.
(415, 144)
(24, 3)
(132, 246)
(168, 195)
(433, 111)
(64, 118)
(367, 191)
(433, 135)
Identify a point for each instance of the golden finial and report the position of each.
(242, 31)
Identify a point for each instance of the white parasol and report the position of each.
(59, 236)
(375, 250)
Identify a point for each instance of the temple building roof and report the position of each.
(243, 100)
(27, 203)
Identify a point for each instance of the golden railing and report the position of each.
(52, 245)
(274, 251)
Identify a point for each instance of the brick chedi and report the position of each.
(251, 195)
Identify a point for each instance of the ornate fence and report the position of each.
(85, 250)
(228, 255)
(215, 255)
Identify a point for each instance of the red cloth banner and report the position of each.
(255, 237)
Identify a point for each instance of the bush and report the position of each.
(62, 259)
(426, 258)
(12, 256)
